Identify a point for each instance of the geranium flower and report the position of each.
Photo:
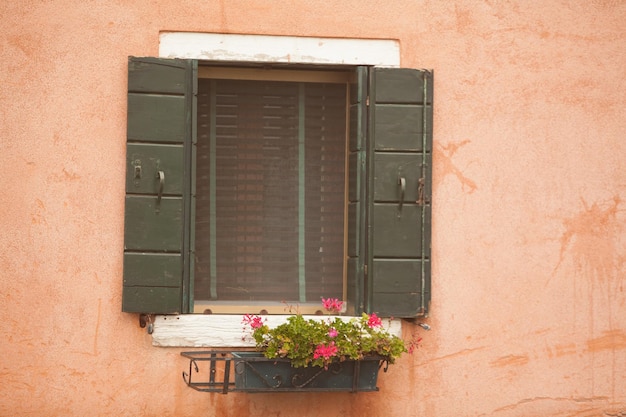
(374, 321)
(320, 341)
(332, 304)
(326, 352)
(254, 321)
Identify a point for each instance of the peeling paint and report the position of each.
(510, 360)
(610, 340)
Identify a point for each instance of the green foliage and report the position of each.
(318, 342)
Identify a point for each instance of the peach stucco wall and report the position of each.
(529, 233)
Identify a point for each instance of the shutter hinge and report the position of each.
(367, 101)
(420, 191)
(147, 319)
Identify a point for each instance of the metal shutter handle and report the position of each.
(402, 187)
(161, 177)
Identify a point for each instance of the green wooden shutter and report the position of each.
(160, 106)
(357, 187)
(399, 163)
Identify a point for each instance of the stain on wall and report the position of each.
(591, 240)
(445, 166)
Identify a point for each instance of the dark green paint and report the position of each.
(399, 127)
(158, 140)
(150, 159)
(254, 371)
(152, 269)
(157, 75)
(398, 305)
(401, 86)
(156, 118)
(151, 226)
(388, 168)
(397, 292)
(357, 188)
(354, 166)
(397, 234)
(400, 151)
(151, 300)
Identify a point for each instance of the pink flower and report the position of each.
(254, 321)
(374, 321)
(332, 304)
(326, 352)
(332, 332)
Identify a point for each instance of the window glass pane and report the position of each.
(270, 181)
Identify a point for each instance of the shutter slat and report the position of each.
(156, 118)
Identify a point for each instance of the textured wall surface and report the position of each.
(529, 231)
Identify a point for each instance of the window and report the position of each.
(270, 187)
(248, 186)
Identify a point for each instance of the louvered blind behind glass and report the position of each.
(270, 190)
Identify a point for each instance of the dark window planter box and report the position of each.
(254, 373)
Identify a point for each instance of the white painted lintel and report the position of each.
(279, 49)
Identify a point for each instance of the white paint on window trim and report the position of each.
(223, 331)
(279, 49)
(226, 331)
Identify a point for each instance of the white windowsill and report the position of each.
(222, 330)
